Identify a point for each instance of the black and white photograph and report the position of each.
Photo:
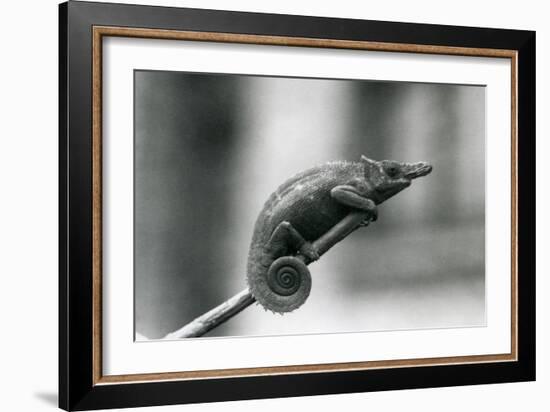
(268, 206)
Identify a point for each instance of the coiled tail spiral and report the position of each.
(286, 285)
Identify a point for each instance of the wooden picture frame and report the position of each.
(82, 383)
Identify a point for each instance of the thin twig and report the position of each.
(220, 314)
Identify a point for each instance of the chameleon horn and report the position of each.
(289, 284)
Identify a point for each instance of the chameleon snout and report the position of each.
(419, 169)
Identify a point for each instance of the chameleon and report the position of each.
(304, 208)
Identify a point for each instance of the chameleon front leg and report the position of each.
(285, 237)
(349, 196)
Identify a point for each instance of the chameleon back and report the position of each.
(304, 200)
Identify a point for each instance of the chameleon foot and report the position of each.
(308, 251)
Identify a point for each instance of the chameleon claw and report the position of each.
(374, 215)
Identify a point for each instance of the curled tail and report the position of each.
(283, 287)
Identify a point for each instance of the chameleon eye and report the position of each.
(392, 171)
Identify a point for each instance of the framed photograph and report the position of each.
(256, 205)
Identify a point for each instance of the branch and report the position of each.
(231, 307)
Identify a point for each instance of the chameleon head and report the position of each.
(388, 177)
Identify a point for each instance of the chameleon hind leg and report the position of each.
(285, 239)
(288, 280)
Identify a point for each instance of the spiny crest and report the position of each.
(372, 170)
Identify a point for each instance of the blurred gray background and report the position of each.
(209, 150)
